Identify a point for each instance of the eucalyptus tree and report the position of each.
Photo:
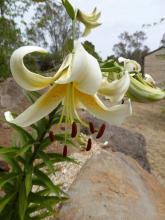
(131, 46)
(10, 33)
(50, 26)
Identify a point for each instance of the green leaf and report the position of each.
(23, 149)
(57, 137)
(8, 150)
(23, 133)
(107, 64)
(61, 139)
(13, 163)
(46, 201)
(5, 200)
(7, 212)
(46, 142)
(43, 192)
(46, 160)
(68, 47)
(69, 9)
(28, 180)
(32, 96)
(42, 126)
(54, 157)
(45, 179)
(15, 150)
(22, 201)
(7, 178)
(37, 182)
(9, 188)
(111, 69)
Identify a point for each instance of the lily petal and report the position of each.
(42, 107)
(63, 70)
(114, 115)
(24, 77)
(116, 89)
(8, 116)
(130, 65)
(84, 71)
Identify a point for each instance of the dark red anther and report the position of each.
(51, 136)
(122, 102)
(62, 128)
(101, 131)
(65, 151)
(89, 144)
(91, 127)
(4, 167)
(74, 130)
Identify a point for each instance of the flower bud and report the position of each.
(89, 20)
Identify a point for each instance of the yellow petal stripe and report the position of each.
(42, 107)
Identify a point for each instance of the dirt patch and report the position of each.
(149, 120)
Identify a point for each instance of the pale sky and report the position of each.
(124, 15)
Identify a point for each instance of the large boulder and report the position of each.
(10, 94)
(112, 186)
(121, 139)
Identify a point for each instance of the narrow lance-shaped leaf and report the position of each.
(46, 160)
(45, 179)
(5, 200)
(69, 9)
(6, 178)
(28, 180)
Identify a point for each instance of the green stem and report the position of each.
(74, 27)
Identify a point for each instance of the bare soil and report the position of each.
(149, 120)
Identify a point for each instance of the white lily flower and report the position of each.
(130, 65)
(116, 89)
(77, 81)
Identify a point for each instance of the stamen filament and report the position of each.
(75, 112)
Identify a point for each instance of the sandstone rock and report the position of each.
(122, 140)
(112, 186)
(10, 94)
